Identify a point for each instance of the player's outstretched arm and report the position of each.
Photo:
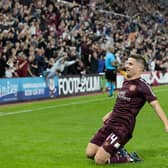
(161, 114)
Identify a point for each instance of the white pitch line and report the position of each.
(61, 105)
(50, 107)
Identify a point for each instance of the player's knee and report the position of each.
(101, 156)
(91, 150)
(90, 153)
(99, 160)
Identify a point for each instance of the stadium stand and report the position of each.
(34, 33)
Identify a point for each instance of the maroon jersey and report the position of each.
(131, 98)
(118, 128)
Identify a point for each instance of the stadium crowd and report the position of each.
(34, 33)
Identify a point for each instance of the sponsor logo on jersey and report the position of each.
(132, 87)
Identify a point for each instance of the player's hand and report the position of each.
(106, 116)
(166, 127)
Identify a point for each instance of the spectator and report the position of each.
(101, 64)
(41, 61)
(22, 65)
(93, 60)
(130, 27)
(3, 65)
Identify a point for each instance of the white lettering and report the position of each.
(74, 85)
(34, 85)
(34, 92)
(8, 89)
(113, 138)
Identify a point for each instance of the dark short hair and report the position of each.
(139, 59)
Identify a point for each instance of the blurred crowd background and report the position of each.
(33, 33)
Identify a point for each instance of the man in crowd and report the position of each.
(56, 70)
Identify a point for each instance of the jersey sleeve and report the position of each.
(148, 92)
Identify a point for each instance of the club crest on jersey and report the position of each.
(132, 87)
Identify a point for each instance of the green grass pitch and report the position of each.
(54, 133)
